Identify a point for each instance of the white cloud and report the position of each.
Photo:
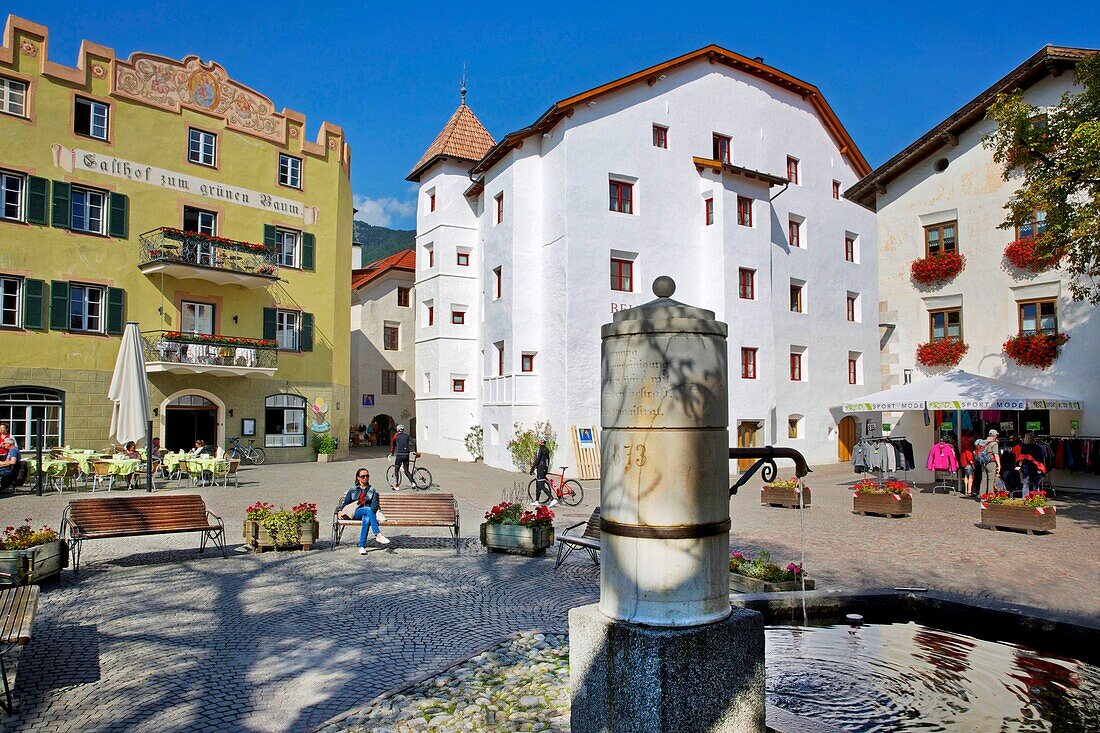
(382, 211)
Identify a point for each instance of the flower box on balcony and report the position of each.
(944, 352)
(1037, 350)
(1023, 255)
(212, 339)
(937, 268)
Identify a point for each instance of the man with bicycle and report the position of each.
(402, 445)
(540, 468)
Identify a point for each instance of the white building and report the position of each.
(680, 169)
(383, 354)
(944, 190)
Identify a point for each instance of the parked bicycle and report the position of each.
(251, 452)
(566, 490)
(422, 477)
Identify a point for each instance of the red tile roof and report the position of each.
(405, 260)
(462, 138)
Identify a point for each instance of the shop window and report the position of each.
(284, 421)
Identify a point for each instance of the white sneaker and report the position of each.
(381, 540)
(362, 551)
(553, 502)
(536, 503)
(396, 487)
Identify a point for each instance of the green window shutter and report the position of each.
(269, 236)
(34, 304)
(38, 200)
(59, 303)
(62, 212)
(308, 245)
(116, 300)
(118, 216)
(305, 338)
(269, 324)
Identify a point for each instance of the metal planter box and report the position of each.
(744, 584)
(529, 541)
(1024, 518)
(886, 505)
(35, 564)
(782, 496)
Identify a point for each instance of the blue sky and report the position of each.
(389, 73)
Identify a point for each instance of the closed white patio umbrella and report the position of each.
(129, 392)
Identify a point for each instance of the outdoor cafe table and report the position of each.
(207, 464)
(123, 466)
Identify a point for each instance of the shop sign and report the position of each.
(1033, 426)
(1074, 424)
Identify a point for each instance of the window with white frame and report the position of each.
(196, 317)
(286, 329)
(11, 292)
(12, 186)
(290, 171)
(13, 96)
(91, 118)
(22, 407)
(86, 308)
(202, 147)
(197, 220)
(88, 213)
(284, 421)
(287, 247)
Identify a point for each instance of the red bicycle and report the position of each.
(565, 490)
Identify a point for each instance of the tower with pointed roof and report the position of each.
(447, 379)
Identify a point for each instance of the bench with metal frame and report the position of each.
(407, 510)
(18, 607)
(588, 540)
(135, 516)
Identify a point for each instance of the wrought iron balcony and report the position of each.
(216, 355)
(190, 255)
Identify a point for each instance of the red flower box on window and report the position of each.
(1022, 255)
(1037, 350)
(945, 352)
(937, 267)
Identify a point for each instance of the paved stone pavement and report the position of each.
(152, 636)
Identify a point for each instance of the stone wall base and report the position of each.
(626, 678)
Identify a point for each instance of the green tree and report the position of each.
(1056, 151)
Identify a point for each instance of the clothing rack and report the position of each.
(1048, 483)
(941, 481)
(883, 473)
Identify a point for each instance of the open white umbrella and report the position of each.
(959, 390)
(129, 392)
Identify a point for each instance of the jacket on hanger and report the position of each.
(942, 458)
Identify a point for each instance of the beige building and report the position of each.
(382, 342)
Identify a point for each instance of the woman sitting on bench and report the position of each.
(361, 502)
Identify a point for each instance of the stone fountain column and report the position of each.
(663, 651)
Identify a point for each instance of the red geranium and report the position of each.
(945, 352)
(1035, 349)
(937, 267)
(1023, 255)
(214, 339)
(174, 233)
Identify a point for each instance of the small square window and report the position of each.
(1039, 316)
(792, 170)
(202, 147)
(836, 190)
(403, 297)
(86, 304)
(389, 382)
(290, 171)
(458, 385)
(660, 136)
(744, 211)
(748, 363)
(90, 118)
(746, 284)
(527, 363)
(940, 238)
(463, 259)
(458, 317)
(708, 211)
(13, 96)
(622, 275)
(945, 324)
(622, 197)
(721, 148)
(391, 337)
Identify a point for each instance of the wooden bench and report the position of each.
(134, 516)
(18, 607)
(407, 510)
(589, 540)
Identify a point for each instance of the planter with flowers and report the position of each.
(937, 268)
(1029, 514)
(1037, 350)
(945, 352)
(267, 528)
(761, 575)
(509, 527)
(1023, 255)
(888, 499)
(32, 555)
(784, 493)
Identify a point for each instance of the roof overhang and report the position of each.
(702, 164)
(418, 171)
(1049, 60)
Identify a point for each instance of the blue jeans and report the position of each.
(369, 522)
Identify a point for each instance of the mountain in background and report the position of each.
(379, 242)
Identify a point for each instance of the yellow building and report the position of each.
(164, 192)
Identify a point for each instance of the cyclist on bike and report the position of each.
(401, 445)
(540, 467)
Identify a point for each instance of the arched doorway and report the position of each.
(385, 427)
(190, 415)
(847, 442)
